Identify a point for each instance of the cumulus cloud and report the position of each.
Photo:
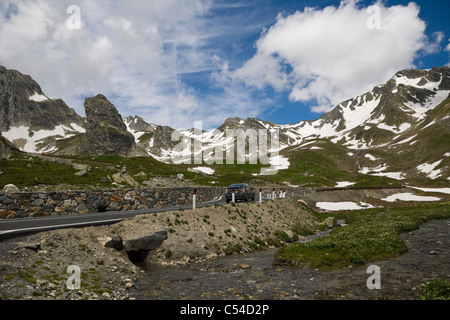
(134, 53)
(447, 48)
(325, 56)
(176, 61)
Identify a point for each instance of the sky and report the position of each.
(174, 62)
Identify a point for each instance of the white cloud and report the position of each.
(448, 49)
(140, 53)
(273, 74)
(330, 55)
(133, 53)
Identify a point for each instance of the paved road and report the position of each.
(29, 225)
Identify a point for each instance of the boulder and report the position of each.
(81, 173)
(101, 205)
(124, 177)
(138, 249)
(7, 214)
(81, 167)
(29, 245)
(5, 200)
(141, 174)
(10, 188)
(290, 234)
(115, 242)
(329, 222)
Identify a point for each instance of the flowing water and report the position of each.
(253, 276)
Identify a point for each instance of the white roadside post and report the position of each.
(260, 195)
(233, 197)
(273, 194)
(194, 200)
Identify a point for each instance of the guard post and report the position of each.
(194, 199)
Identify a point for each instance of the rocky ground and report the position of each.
(210, 253)
(253, 276)
(36, 266)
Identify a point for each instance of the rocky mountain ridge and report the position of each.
(401, 119)
(406, 115)
(106, 132)
(31, 120)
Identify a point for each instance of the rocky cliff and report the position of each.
(28, 116)
(106, 133)
(6, 148)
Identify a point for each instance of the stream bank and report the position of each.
(252, 276)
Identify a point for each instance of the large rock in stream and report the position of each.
(138, 249)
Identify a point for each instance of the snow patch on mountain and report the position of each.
(28, 141)
(437, 190)
(343, 184)
(408, 196)
(392, 175)
(429, 169)
(420, 109)
(370, 157)
(38, 97)
(343, 205)
(204, 170)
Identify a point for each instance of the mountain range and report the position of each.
(398, 131)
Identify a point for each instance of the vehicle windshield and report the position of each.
(233, 186)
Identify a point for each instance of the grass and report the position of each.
(308, 168)
(24, 171)
(369, 236)
(438, 289)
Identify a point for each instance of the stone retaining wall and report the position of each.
(22, 205)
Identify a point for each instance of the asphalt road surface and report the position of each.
(30, 225)
(12, 227)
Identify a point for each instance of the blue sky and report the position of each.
(174, 62)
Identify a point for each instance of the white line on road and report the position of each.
(61, 226)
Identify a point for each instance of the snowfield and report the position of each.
(438, 190)
(409, 197)
(371, 157)
(279, 162)
(429, 169)
(344, 184)
(28, 141)
(392, 175)
(344, 205)
(205, 170)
